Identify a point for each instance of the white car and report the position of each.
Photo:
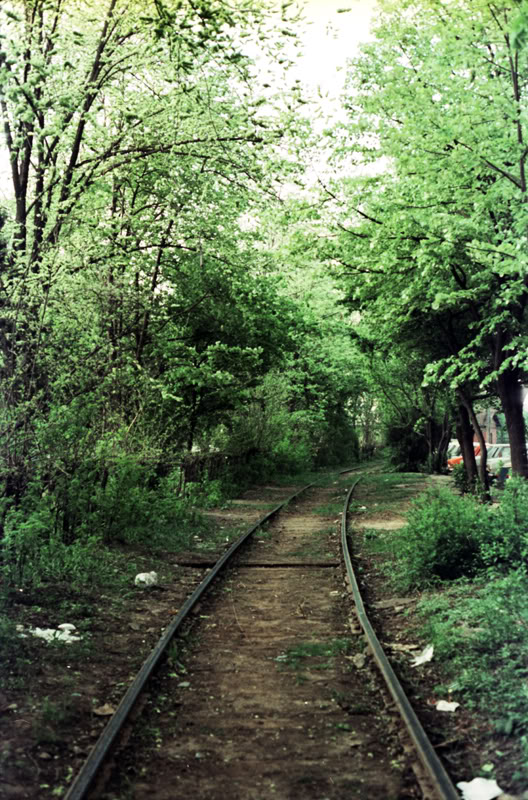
(499, 456)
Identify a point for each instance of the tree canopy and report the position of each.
(431, 238)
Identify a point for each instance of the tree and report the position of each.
(137, 144)
(438, 230)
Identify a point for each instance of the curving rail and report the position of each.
(85, 778)
(430, 761)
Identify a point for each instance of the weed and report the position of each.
(329, 509)
(506, 545)
(327, 651)
(480, 635)
(52, 724)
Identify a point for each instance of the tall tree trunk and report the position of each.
(511, 395)
(482, 467)
(464, 433)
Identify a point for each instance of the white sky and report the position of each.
(331, 39)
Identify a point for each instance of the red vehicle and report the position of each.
(451, 462)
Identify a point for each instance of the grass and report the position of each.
(472, 563)
(313, 655)
(479, 629)
(329, 509)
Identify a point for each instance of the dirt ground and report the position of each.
(275, 699)
(267, 694)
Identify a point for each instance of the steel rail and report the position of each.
(436, 772)
(88, 772)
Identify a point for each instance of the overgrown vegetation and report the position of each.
(480, 634)
(470, 562)
(449, 536)
(155, 350)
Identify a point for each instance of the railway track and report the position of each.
(274, 697)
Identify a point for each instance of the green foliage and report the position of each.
(340, 444)
(429, 248)
(440, 541)
(207, 493)
(448, 537)
(480, 635)
(59, 536)
(506, 546)
(138, 309)
(406, 450)
(460, 478)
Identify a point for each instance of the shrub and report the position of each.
(339, 443)
(460, 478)
(34, 553)
(441, 539)
(406, 450)
(506, 545)
(58, 536)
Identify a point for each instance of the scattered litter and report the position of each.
(105, 710)
(423, 657)
(146, 579)
(63, 633)
(443, 705)
(184, 684)
(480, 789)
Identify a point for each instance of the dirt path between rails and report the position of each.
(273, 700)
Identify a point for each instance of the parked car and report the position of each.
(499, 458)
(457, 457)
(498, 461)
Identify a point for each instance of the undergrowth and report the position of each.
(473, 559)
(448, 537)
(480, 634)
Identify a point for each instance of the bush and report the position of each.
(506, 546)
(460, 478)
(340, 443)
(441, 540)
(59, 535)
(34, 552)
(407, 451)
